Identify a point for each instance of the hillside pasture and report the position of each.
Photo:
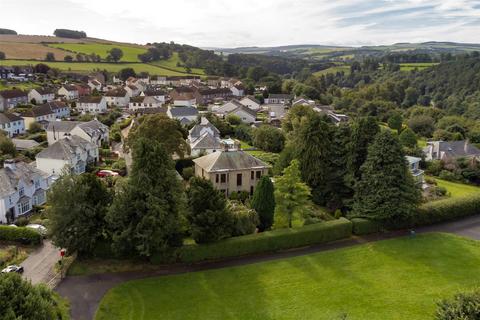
(24, 50)
(418, 66)
(130, 53)
(172, 62)
(85, 67)
(333, 70)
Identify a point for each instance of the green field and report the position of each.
(93, 66)
(457, 189)
(393, 279)
(171, 64)
(130, 53)
(333, 70)
(413, 66)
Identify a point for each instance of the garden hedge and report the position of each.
(447, 209)
(361, 226)
(20, 234)
(268, 241)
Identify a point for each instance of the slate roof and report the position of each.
(13, 93)
(90, 99)
(204, 123)
(179, 112)
(9, 178)
(458, 149)
(119, 92)
(44, 91)
(251, 98)
(62, 126)
(8, 117)
(93, 126)
(206, 141)
(229, 161)
(64, 149)
(38, 111)
(279, 96)
(23, 144)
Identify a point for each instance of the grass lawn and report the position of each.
(393, 279)
(12, 255)
(93, 66)
(27, 86)
(457, 189)
(130, 54)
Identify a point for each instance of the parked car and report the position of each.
(13, 268)
(106, 173)
(38, 227)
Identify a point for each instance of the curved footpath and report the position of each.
(85, 292)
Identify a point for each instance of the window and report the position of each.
(217, 178)
(251, 190)
(23, 207)
(37, 184)
(223, 178)
(252, 175)
(259, 174)
(239, 179)
(21, 191)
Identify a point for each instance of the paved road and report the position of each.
(39, 264)
(85, 292)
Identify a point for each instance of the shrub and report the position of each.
(20, 234)
(363, 226)
(241, 196)
(463, 306)
(21, 222)
(447, 209)
(447, 175)
(268, 241)
(188, 172)
(244, 220)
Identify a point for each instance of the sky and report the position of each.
(238, 23)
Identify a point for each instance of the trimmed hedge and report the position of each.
(447, 209)
(268, 241)
(363, 226)
(20, 234)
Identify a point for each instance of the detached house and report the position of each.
(183, 97)
(11, 124)
(450, 150)
(185, 115)
(204, 138)
(72, 153)
(132, 90)
(12, 98)
(41, 95)
(117, 97)
(83, 90)
(92, 104)
(251, 103)
(93, 131)
(42, 114)
(143, 102)
(231, 170)
(160, 95)
(60, 108)
(22, 186)
(245, 114)
(414, 167)
(70, 92)
(94, 84)
(237, 90)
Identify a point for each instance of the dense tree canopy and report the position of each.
(146, 214)
(263, 201)
(78, 227)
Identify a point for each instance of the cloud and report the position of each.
(252, 22)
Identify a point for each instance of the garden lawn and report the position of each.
(93, 66)
(393, 279)
(457, 189)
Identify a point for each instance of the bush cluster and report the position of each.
(361, 226)
(268, 241)
(447, 209)
(20, 234)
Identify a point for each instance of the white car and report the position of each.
(37, 227)
(13, 268)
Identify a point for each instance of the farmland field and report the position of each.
(24, 50)
(419, 66)
(333, 70)
(402, 278)
(130, 54)
(171, 64)
(92, 66)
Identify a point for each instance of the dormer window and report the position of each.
(21, 191)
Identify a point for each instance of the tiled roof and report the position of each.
(13, 93)
(8, 117)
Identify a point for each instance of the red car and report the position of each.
(106, 173)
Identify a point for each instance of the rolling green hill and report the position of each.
(130, 53)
